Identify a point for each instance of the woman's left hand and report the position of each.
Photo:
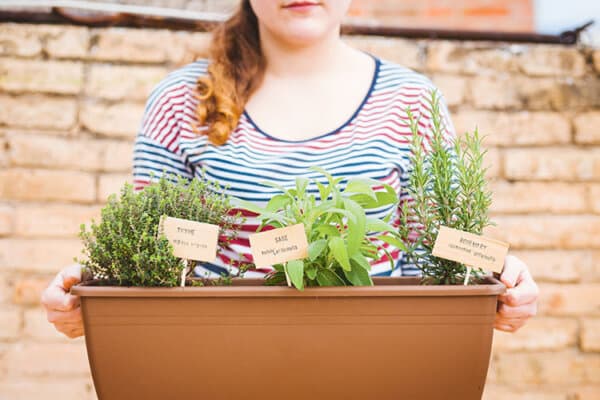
(519, 302)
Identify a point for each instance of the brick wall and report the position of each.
(70, 103)
(504, 15)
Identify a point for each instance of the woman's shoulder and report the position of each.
(396, 77)
(182, 78)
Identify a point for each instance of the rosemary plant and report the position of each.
(124, 248)
(448, 187)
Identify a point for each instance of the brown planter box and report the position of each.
(395, 340)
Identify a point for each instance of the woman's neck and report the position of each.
(312, 60)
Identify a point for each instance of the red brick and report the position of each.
(31, 150)
(549, 231)
(587, 128)
(515, 128)
(536, 197)
(20, 40)
(10, 323)
(37, 111)
(38, 255)
(594, 198)
(67, 41)
(586, 392)
(118, 120)
(134, 45)
(454, 89)
(53, 220)
(566, 164)
(38, 184)
(561, 368)
(115, 82)
(493, 163)
(504, 392)
(52, 389)
(116, 156)
(593, 273)
(6, 220)
(556, 265)
(36, 327)
(539, 334)
(596, 57)
(495, 92)
(111, 183)
(553, 61)
(28, 291)
(469, 58)
(62, 77)
(54, 360)
(590, 334)
(569, 300)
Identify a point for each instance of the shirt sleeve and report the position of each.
(156, 150)
(425, 128)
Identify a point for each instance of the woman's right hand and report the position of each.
(62, 308)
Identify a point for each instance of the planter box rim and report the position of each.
(253, 287)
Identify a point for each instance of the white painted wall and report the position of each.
(555, 16)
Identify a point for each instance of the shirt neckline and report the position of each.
(348, 121)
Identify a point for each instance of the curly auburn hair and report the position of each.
(235, 71)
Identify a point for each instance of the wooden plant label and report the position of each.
(191, 240)
(470, 249)
(279, 245)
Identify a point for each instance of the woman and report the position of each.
(283, 92)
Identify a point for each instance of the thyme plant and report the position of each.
(125, 249)
(448, 187)
(339, 233)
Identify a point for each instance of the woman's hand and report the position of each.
(519, 303)
(62, 308)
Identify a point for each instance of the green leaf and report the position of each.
(328, 230)
(377, 225)
(393, 241)
(364, 200)
(310, 271)
(346, 213)
(358, 276)
(386, 198)
(301, 184)
(364, 186)
(357, 227)
(295, 270)
(316, 248)
(323, 190)
(247, 205)
(337, 246)
(326, 277)
(361, 261)
(274, 186)
(263, 213)
(278, 202)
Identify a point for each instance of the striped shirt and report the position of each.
(374, 142)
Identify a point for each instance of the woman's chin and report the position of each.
(304, 35)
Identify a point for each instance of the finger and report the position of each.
(70, 276)
(510, 321)
(72, 331)
(507, 327)
(513, 267)
(75, 333)
(66, 328)
(55, 298)
(62, 317)
(522, 311)
(525, 292)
